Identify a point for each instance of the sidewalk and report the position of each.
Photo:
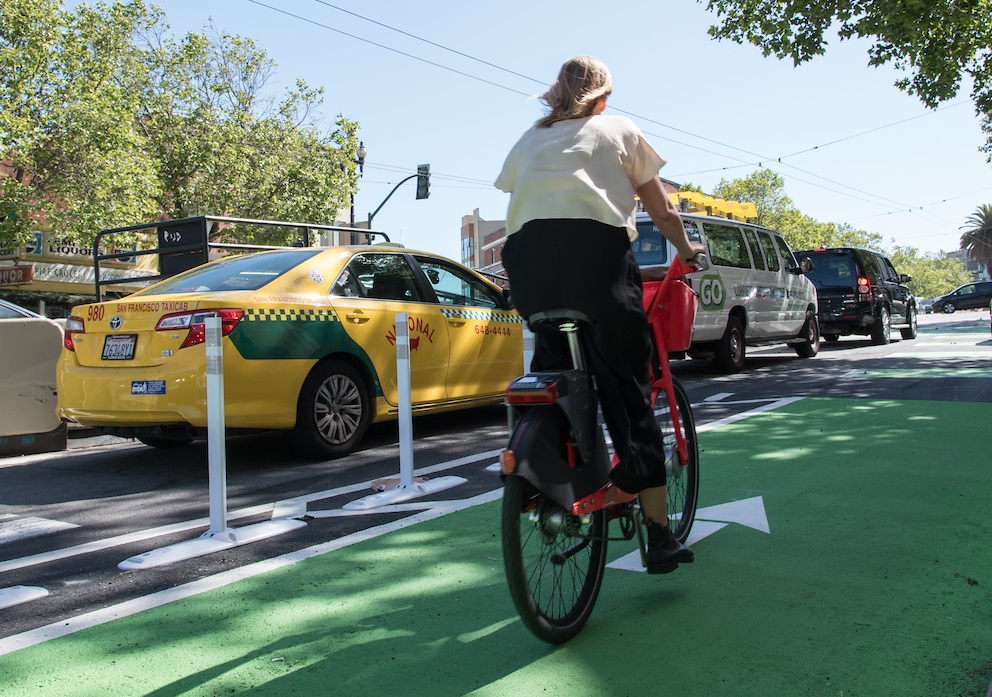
(873, 579)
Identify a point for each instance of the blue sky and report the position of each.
(870, 155)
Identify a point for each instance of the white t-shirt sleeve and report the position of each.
(641, 161)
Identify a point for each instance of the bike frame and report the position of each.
(663, 310)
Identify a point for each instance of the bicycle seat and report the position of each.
(556, 318)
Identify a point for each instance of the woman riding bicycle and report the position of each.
(572, 180)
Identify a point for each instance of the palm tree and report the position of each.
(977, 237)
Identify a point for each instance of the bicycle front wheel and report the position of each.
(554, 561)
(683, 477)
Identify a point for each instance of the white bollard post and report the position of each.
(407, 489)
(405, 398)
(216, 452)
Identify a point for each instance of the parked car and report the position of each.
(309, 346)
(970, 296)
(29, 351)
(926, 306)
(860, 292)
(754, 292)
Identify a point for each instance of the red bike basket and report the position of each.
(674, 312)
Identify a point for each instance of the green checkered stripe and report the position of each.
(482, 315)
(290, 315)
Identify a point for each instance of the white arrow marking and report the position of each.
(748, 512)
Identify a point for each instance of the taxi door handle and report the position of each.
(456, 322)
(357, 317)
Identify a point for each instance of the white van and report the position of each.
(754, 292)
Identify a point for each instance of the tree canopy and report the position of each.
(936, 43)
(932, 273)
(106, 120)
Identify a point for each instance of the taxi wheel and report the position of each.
(334, 411)
(728, 355)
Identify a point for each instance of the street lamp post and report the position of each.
(360, 161)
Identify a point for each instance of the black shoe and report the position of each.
(665, 553)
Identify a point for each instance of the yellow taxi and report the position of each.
(309, 346)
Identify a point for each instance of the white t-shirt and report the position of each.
(586, 168)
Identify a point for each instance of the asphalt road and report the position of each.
(68, 519)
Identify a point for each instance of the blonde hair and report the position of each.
(581, 82)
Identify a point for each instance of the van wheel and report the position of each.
(831, 337)
(949, 308)
(811, 338)
(728, 355)
(333, 412)
(912, 330)
(881, 331)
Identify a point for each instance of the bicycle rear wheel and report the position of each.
(683, 477)
(554, 561)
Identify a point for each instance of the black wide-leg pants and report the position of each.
(589, 266)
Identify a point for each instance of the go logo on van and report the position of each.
(711, 293)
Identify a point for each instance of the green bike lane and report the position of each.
(873, 578)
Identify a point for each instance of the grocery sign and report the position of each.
(16, 275)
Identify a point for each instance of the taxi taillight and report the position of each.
(73, 326)
(195, 323)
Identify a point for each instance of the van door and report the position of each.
(729, 282)
(770, 285)
(797, 290)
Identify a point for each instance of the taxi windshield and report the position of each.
(248, 272)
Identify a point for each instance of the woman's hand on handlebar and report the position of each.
(694, 255)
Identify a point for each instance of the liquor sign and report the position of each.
(16, 275)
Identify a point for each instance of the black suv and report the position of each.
(859, 292)
(970, 296)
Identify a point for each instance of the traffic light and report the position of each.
(423, 181)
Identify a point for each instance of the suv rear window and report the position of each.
(834, 269)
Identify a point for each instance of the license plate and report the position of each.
(119, 347)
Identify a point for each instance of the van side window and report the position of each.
(784, 253)
(727, 246)
(770, 253)
(691, 230)
(752, 240)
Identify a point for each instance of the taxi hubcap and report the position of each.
(338, 409)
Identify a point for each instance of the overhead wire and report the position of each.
(761, 160)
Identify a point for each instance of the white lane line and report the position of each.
(290, 506)
(72, 625)
(65, 627)
(942, 354)
(778, 403)
(719, 396)
(23, 528)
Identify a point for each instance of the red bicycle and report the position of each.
(558, 499)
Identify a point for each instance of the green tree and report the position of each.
(936, 43)
(108, 121)
(977, 237)
(932, 273)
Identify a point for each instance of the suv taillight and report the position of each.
(194, 321)
(864, 288)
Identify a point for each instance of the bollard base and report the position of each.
(208, 543)
(400, 493)
(15, 595)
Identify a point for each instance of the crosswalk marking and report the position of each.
(14, 528)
